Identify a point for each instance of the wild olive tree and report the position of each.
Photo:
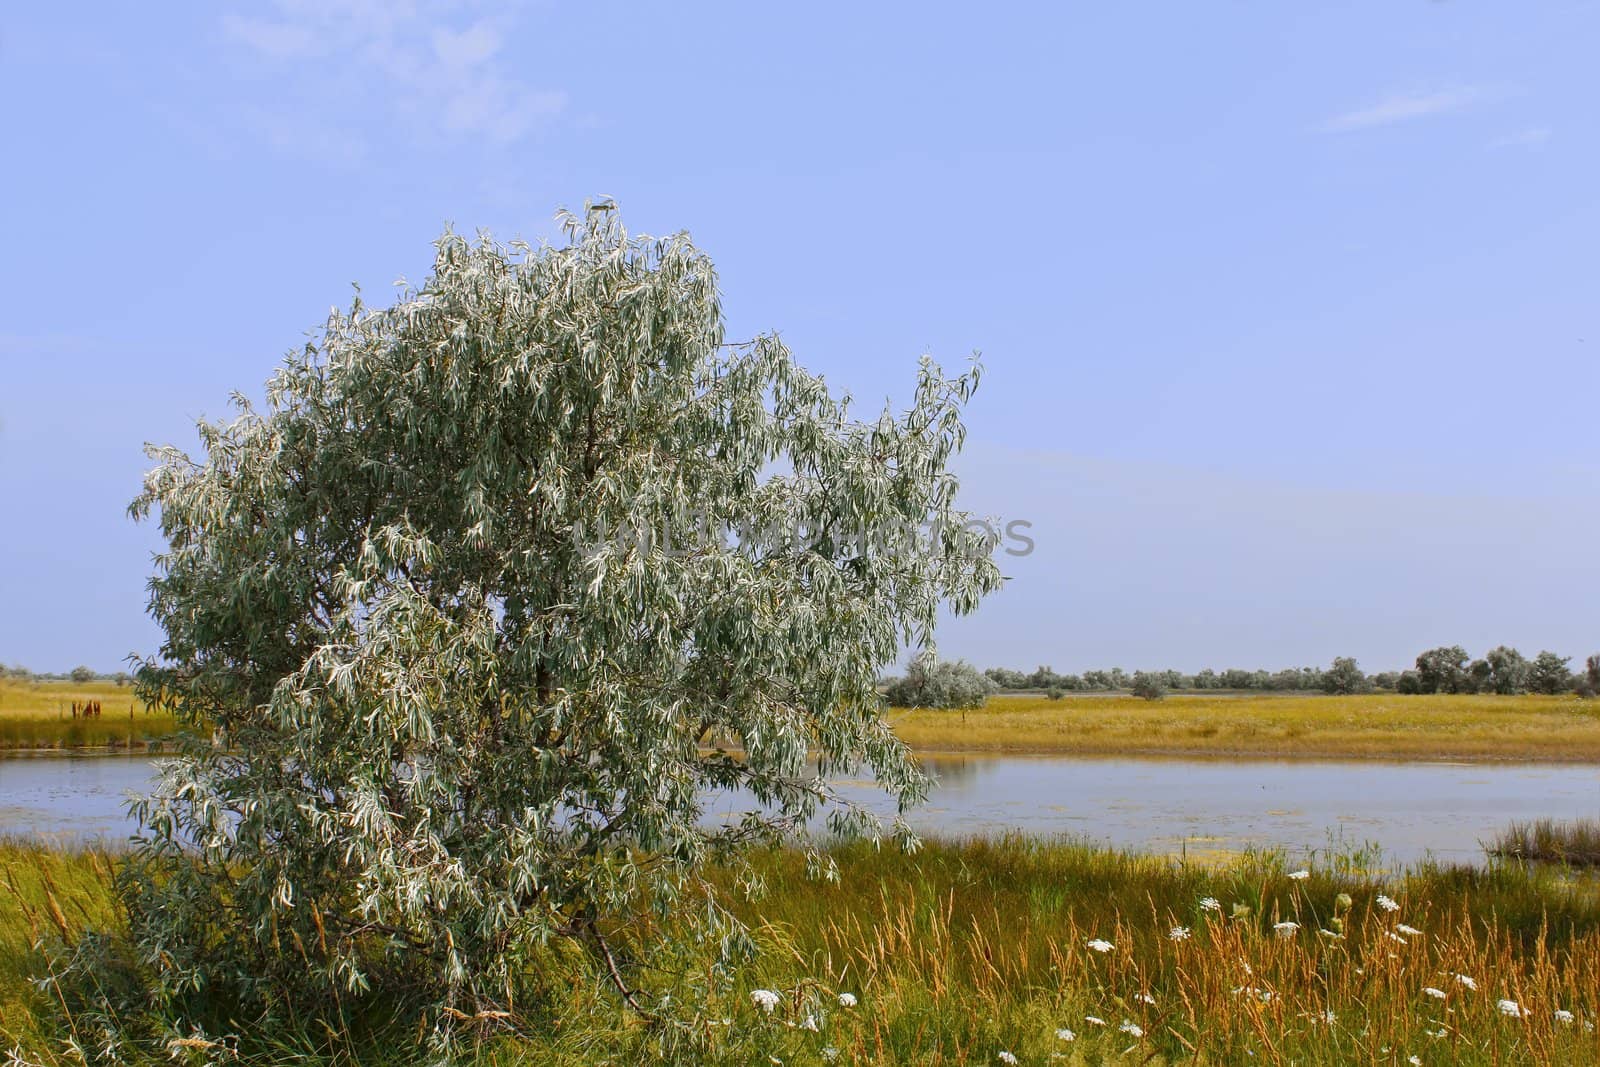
(1443, 670)
(1345, 676)
(1508, 670)
(934, 683)
(500, 586)
(1548, 673)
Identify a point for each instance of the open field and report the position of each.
(967, 950)
(36, 715)
(1373, 725)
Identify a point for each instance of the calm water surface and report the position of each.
(1163, 805)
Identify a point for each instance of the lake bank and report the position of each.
(1383, 726)
(38, 716)
(1369, 726)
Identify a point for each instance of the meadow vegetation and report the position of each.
(36, 714)
(1366, 725)
(1371, 725)
(1047, 952)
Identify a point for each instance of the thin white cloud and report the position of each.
(1532, 137)
(433, 66)
(279, 40)
(1406, 107)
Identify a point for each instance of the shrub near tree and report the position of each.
(1148, 686)
(931, 683)
(1589, 684)
(449, 602)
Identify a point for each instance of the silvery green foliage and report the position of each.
(933, 683)
(449, 714)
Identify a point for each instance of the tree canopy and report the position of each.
(502, 584)
(930, 683)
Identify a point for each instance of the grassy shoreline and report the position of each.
(971, 948)
(1368, 726)
(36, 716)
(1561, 729)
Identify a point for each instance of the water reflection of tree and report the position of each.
(951, 770)
(946, 770)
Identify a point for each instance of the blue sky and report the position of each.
(1288, 310)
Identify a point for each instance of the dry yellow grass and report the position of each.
(1370, 726)
(38, 715)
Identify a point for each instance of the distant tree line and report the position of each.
(1439, 670)
(79, 674)
(1045, 678)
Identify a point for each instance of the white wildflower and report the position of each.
(847, 1000)
(1132, 1029)
(1414, 1059)
(1409, 931)
(809, 1023)
(1210, 904)
(765, 999)
(1328, 1017)
(1387, 903)
(1392, 936)
(1563, 1015)
(1144, 998)
(1299, 876)
(1286, 928)
(1441, 1032)
(1064, 1034)
(1094, 1020)
(1100, 945)
(1179, 933)
(1325, 932)
(1509, 1007)
(1435, 993)
(1006, 1057)
(830, 1053)
(1469, 982)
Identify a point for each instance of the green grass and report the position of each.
(1368, 726)
(1576, 843)
(968, 949)
(37, 715)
